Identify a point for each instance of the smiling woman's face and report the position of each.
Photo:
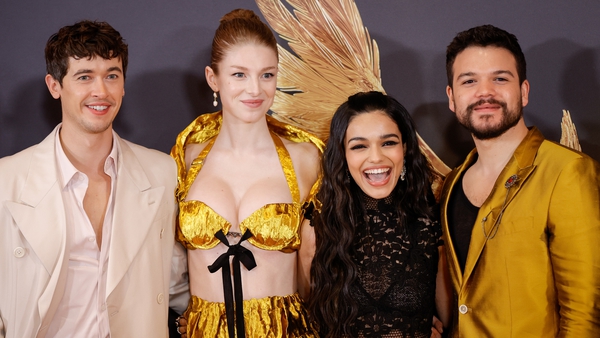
(246, 81)
(374, 153)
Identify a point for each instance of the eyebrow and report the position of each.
(262, 70)
(115, 69)
(382, 137)
(498, 72)
(88, 71)
(82, 71)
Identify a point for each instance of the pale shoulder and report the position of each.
(192, 151)
(305, 153)
(306, 148)
(306, 158)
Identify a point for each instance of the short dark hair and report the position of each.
(483, 36)
(84, 39)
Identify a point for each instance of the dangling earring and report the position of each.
(215, 103)
(403, 172)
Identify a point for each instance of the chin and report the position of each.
(378, 193)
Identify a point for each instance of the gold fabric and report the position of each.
(271, 317)
(539, 276)
(274, 226)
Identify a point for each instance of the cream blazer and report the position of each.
(34, 260)
(539, 276)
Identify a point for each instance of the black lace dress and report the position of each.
(395, 288)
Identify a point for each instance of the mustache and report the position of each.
(488, 101)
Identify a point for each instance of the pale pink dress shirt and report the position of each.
(82, 312)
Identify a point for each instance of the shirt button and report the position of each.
(160, 298)
(463, 309)
(91, 239)
(161, 232)
(19, 252)
(103, 307)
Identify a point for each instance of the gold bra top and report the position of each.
(275, 226)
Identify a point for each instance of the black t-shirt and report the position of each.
(461, 219)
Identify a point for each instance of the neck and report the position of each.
(494, 154)
(383, 204)
(87, 152)
(241, 136)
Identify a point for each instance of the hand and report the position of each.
(182, 326)
(436, 328)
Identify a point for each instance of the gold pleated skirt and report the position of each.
(273, 317)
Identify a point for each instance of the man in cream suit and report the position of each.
(521, 215)
(86, 218)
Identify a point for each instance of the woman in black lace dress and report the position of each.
(376, 263)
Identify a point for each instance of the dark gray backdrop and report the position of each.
(169, 43)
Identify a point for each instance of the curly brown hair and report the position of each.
(84, 39)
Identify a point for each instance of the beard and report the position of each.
(487, 131)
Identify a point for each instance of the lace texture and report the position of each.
(395, 288)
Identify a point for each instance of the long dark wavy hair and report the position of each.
(333, 270)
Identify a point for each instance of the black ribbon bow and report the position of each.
(245, 256)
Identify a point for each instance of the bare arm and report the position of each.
(443, 290)
(305, 257)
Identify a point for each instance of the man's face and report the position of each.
(485, 94)
(90, 95)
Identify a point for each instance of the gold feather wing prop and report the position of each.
(334, 57)
(569, 133)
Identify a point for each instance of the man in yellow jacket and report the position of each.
(521, 215)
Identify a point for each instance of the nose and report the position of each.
(375, 155)
(486, 88)
(99, 89)
(253, 86)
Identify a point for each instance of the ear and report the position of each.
(53, 86)
(211, 78)
(450, 95)
(525, 93)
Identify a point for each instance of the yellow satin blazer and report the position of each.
(539, 276)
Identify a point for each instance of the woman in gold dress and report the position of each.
(245, 181)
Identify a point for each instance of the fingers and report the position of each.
(181, 326)
(437, 328)
(438, 325)
(435, 333)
